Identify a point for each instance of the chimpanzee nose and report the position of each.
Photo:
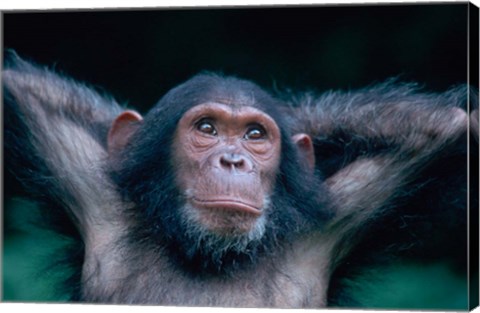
(235, 161)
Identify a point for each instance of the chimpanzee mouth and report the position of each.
(227, 204)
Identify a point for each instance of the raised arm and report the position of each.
(55, 139)
(371, 144)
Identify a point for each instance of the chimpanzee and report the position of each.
(222, 195)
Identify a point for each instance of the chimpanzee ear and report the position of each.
(305, 146)
(122, 129)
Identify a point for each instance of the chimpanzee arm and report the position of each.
(55, 140)
(371, 144)
(370, 185)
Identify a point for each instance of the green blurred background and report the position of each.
(138, 55)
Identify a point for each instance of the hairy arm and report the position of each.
(371, 144)
(55, 133)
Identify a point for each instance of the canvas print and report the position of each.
(315, 156)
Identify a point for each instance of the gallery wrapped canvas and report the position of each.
(301, 156)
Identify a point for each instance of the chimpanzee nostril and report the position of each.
(232, 161)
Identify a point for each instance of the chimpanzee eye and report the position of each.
(255, 132)
(206, 127)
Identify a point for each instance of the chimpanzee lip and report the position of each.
(228, 204)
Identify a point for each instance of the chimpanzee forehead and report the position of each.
(224, 106)
(234, 101)
(234, 96)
